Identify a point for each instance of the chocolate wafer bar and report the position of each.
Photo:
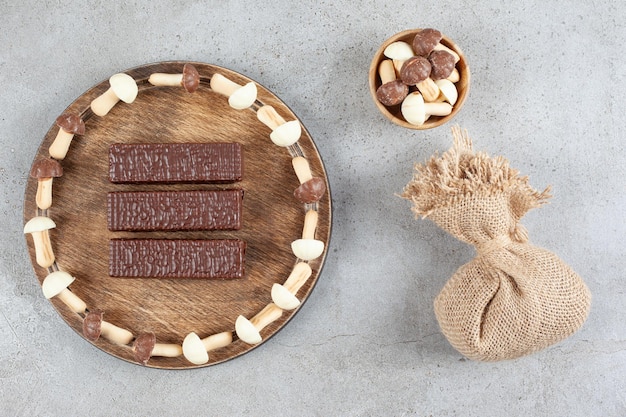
(177, 258)
(175, 162)
(175, 210)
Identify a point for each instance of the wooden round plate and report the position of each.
(172, 308)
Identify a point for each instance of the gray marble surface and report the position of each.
(548, 92)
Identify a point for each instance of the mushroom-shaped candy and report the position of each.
(196, 349)
(38, 227)
(122, 87)
(442, 64)
(283, 133)
(55, 285)
(442, 47)
(145, 346)
(415, 70)
(189, 79)
(250, 330)
(391, 91)
(308, 247)
(447, 91)
(239, 97)
(92, 325)
(416, 111)
(45, 170)
(425, 41)
(69, 125)
(311, 188)
(284, 296)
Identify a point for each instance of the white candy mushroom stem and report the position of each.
(164, 79)
(223, 85)
(167, 350)
(284, 296)
(386, 72)
(38, 227)
(454, 76)
(429, 89)
(43, 198)
(397, 65)
(283, 133)
(250, 330)
(308, 248)
(55, 285)
(115, 334)
(416, 111)
(239, 97)
(61, 144)
(447, 91)
(122, 87)
(217, 341)
(302, 169)
(270, 117)
(310, 224)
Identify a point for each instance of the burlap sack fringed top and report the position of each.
(513, 298)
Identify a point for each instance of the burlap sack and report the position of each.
(513, 298)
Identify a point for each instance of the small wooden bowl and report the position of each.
(394, 113)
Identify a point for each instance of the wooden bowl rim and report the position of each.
(434, 121)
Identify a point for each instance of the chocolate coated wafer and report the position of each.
(174, 210)
(177, 258)
(175, 162)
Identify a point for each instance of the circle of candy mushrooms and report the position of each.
(284, 296)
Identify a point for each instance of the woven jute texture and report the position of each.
(513, 298)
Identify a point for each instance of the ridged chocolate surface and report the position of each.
(177, 258)
(174, 210)
(175, 162)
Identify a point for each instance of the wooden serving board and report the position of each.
(272, 217)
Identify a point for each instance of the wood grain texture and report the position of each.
(272, 217)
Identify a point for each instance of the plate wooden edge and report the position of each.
(140, 74)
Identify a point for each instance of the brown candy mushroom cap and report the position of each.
(92, 325)
(143, 346)
(71, 123)
(191, 78)
(392, 93)
(442, 63)
(46, 168)
(425, 41)
(415, 70)
(311, 190)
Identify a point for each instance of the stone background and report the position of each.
(548, 92)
